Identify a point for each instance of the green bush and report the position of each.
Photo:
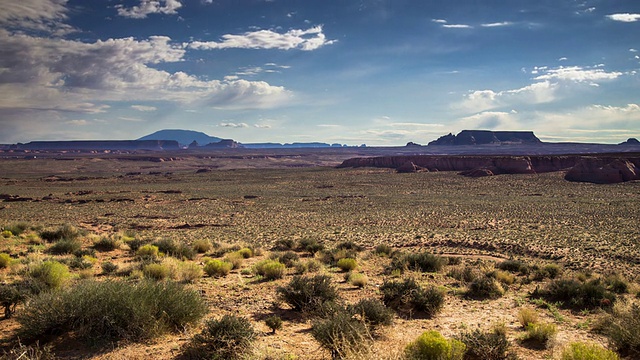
(288, 258)
(308, 293)
(425, 262)
(109, 268)
(112, 310)
(582, 351)
(577, 295)
(270, 269)
(5, 260)
(373, 312)
(16, 229)
(431, 345)
(217, 268)
(622, 327)
(107, 243)
(156, 271)
(383, 250)
(246, 252)
(540, 333)
(49, 275)
(408, 297)
(617, 283)
(491, 345)
(514, 266)
(6, 234)
(274, 322)
(229, 337)
(347, 264)
(201, 246)
(342, 334)
(484, 288)
(65, 246)
(65, 232)
(147, 251)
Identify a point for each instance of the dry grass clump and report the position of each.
(514, 266)
(269, 269)
(148, 251)
(359, 280)
(622, 327)
(464, 274)
(156, 271)
(48, 275)
(527, 315)
(347, 264)
(582, 351)
(431, 345)
(308, 293)
(64, 232)
(487, 345)
(424, 261)
(539, 334)
(177, 249)
(342, 334)
(201, 246)
(65, 246)
(5, 260)
(484, 288)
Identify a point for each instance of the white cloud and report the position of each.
(144, 108)
(36, 15)
(490, 120)
(306, 40)
(578, 74)
(633, 50)
(415, 125)
(131, 119)
(439, 21)
(79, 122)
(624, 17)
(497, 24)
(147, 7)
(536, 93)
(233, 125)
(563, 59)
(457, 26)
(262, 126)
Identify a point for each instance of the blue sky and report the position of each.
(380, 72)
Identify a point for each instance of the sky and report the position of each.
(375, 72)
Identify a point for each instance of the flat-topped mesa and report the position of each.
(484, 137)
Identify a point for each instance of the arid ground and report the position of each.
(538, 219)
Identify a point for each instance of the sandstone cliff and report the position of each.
(483, 137)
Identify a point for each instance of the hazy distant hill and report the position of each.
(183, 137)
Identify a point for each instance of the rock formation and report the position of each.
(630, 141)
(483, 137)
(605, 170)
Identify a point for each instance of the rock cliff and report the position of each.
(483, 137)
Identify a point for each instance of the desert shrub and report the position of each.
(502, 276)
(274, 322)
(112, 310)
(383, 250)
(147, 251)
(135, 244)
(66, 231)
(5, 260)
(580, 296)
(425, 262)
(622, 327)
(201, 246)
(372, 311)
(465, 274)
(28, 352)
(358, 279)
(484, 288)
(176, 249)
(453, 260)
(246, 252)
(107, 243)
(270, 269)
(80, 263)
(10, 297)
(217, 268)
(431, 345)
(341, 334)
(617, 283)
(514, 266)
(310, 245)
(288, 258)
(481, 345)
(156, 271)
(409, 297)
(308, 293)
(235, 258)
(526, 316)
(582, 351)
(347, 264)
(189, 271)
(65, 246)
(6, 234)
(348, 245)
(540, 333)
(229, 337)
(16, 229)
(548, 271)
(284, 244)
(109, 268)
(313, 265)
(49, 275)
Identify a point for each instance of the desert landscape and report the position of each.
(312, 260)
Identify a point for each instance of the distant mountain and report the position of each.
(183, 137)
(481, 137)
(294, 145)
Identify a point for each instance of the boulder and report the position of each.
(603, 171)
(409, 167)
